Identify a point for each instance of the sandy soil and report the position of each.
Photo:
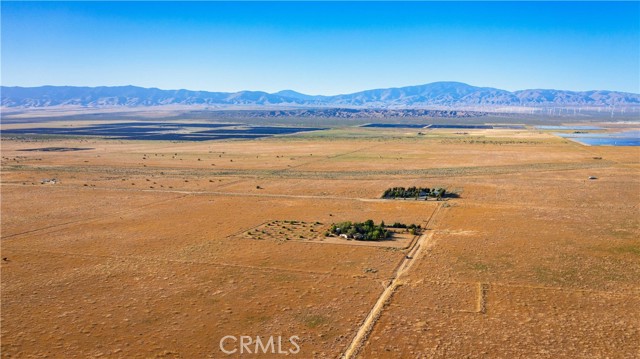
(142, 249)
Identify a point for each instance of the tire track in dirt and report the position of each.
(215, 193)
(362, 335)
(187, 262)
(321, 159)
(496, 285)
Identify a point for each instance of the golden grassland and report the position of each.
(150, 249)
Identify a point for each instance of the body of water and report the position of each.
(627, 138)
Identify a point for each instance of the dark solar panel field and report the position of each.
(165, 131)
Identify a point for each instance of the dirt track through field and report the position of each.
(322, 159)
(222, 193)
(134, 258)
(365, 329)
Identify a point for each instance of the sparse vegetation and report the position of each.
(532, 234)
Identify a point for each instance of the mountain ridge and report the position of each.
(432, 95)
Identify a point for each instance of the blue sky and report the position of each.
(322, 47)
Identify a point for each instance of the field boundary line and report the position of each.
(481, 303)
(178, 261)
(541, 287)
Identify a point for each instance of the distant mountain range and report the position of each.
(434, 95)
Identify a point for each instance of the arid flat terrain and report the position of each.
(150, 249)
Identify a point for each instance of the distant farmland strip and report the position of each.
(287, 173)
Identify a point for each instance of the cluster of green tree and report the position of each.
(402, 225)
(412, 228)
(414, 192)
(368, 230)
(364, 231)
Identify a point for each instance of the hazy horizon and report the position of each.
(322, 48)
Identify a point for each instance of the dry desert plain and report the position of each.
(151, 249)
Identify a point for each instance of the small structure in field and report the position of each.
(369, 231)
